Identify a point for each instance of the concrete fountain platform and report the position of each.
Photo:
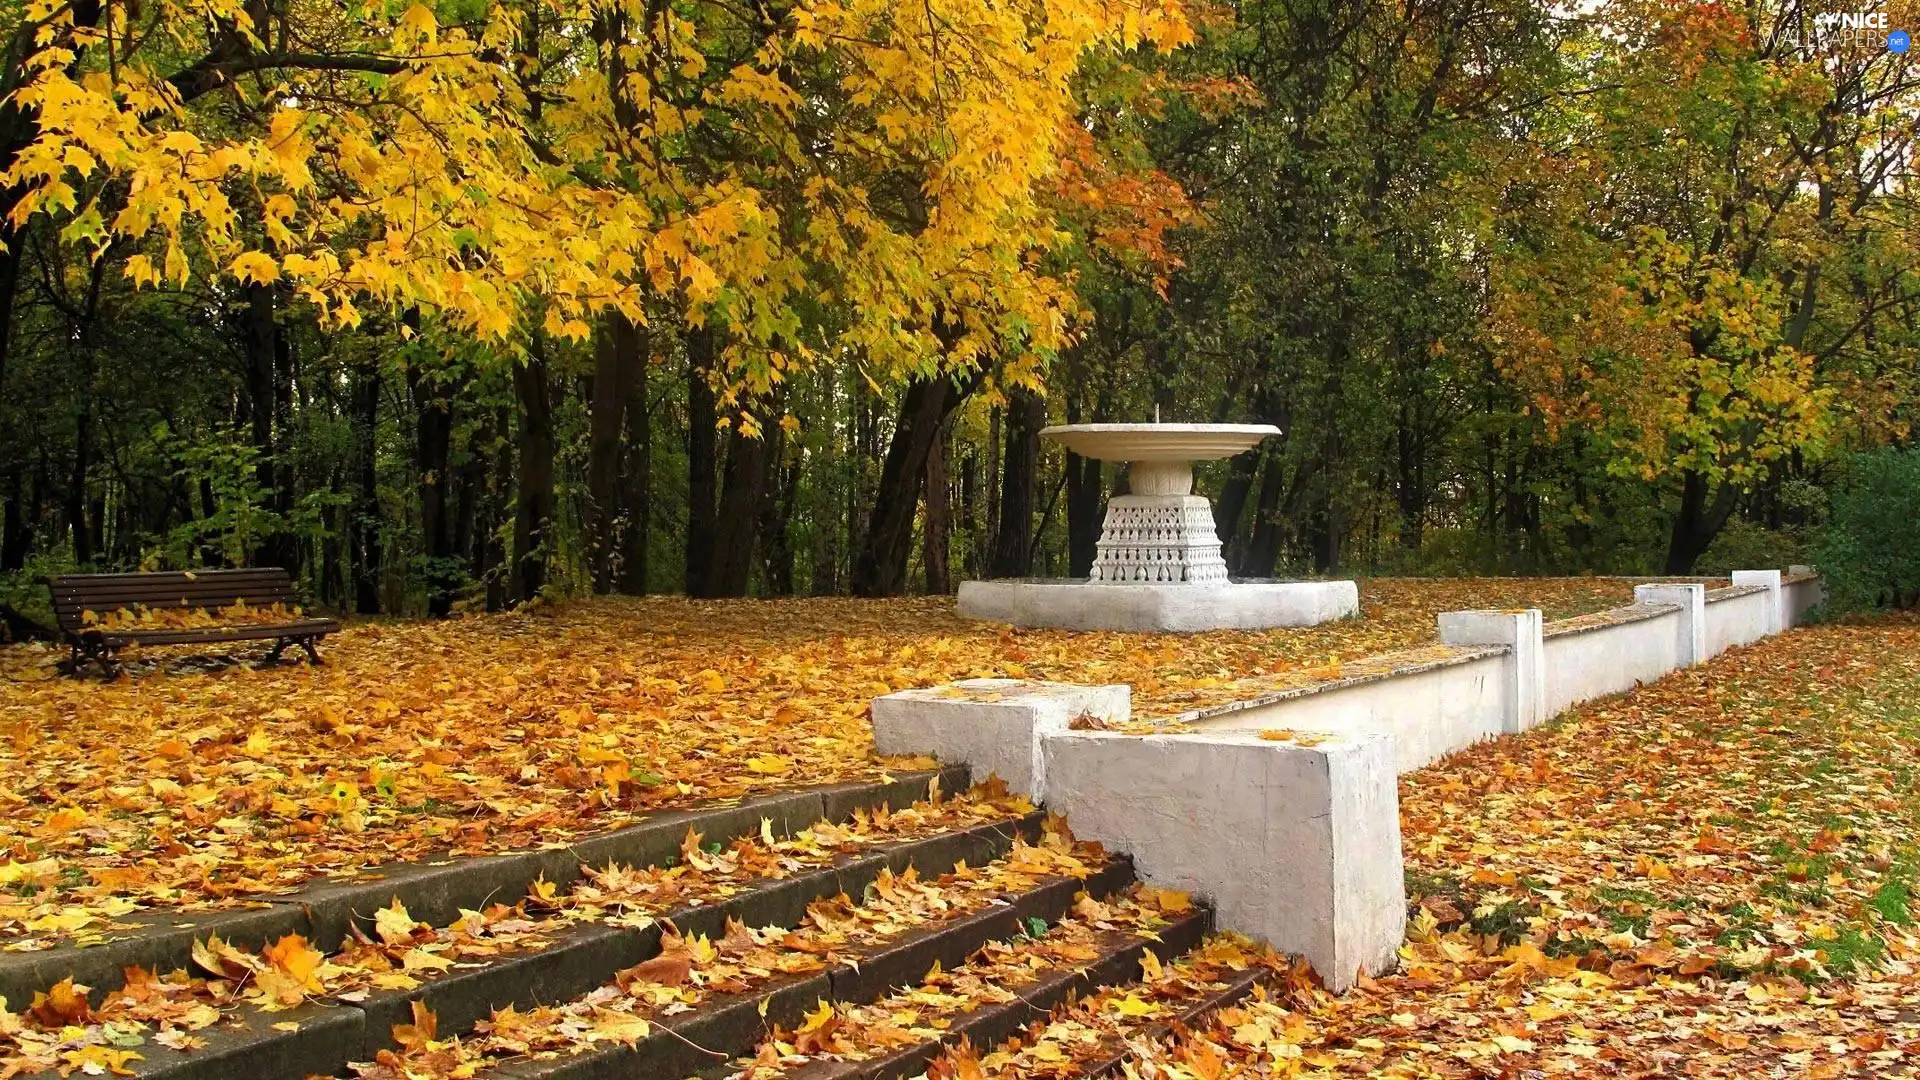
(1076, 604)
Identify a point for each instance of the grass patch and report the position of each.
(1511, 922)
(1894, 899)
(1852, 951)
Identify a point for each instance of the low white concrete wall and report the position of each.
(1589, 658)
(1296, 845)
(1802, 591)
(1739, 615)
(1295, 840)
(1430, 711)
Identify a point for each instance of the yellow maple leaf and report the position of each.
(393, 924)
(422, 960)
(298, 960)
(618, 1027)
(255, 267)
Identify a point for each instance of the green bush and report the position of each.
(1869, 549)
(1744, 545)
(25, 590)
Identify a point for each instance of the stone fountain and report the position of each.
(1158, 565)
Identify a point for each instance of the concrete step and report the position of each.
(567, 954)
(1018, 985)
(435, 891)
(587, 955)
(1093, 1035)
(993, 889)
(725, 1025)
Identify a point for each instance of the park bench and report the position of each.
(100, 614)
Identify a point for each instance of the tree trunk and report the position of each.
(780, 494)
(533, 502)
(259, 334)
(491, 556)
(970, 511)
(702, 461)
(1698, 521)
(1019, 486)
(823, 517)
(16, 536)
(288, 551)
(731, 570)
(332, 573)
(363, 538)
(1231, 507)
(433, 435)
(77, 482)
(1084, 496)
(1410, 488)
(989, 535)
(614, 365)
(9, 278)
(881, 568)
(1324, 529)
(636, 481)
(1267, 537)
(936, 535)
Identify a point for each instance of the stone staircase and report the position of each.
(817, 934)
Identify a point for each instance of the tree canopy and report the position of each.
(463, 301)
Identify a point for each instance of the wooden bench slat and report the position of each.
(197, 634)
(171, 585)
(174, 585)
(273, 572)
(190, 587)
(175, 600)
(103, 605)
(75, 613)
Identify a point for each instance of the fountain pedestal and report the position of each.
(1159, 538)
(1158, 564)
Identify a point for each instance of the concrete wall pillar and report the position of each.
(1692, 601)
(1521, 633)
(1296, 845)
(993, 725)
(1771, 579)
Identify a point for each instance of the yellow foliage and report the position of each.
(592, 156)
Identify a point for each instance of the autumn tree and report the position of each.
(1703, 262)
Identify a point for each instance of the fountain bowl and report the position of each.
(1158, 442)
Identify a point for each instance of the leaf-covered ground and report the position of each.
(1710, 876)
(178, 787)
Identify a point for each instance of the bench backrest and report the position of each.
(74, 594)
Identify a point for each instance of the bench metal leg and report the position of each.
(83, 653)
(307, 643)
